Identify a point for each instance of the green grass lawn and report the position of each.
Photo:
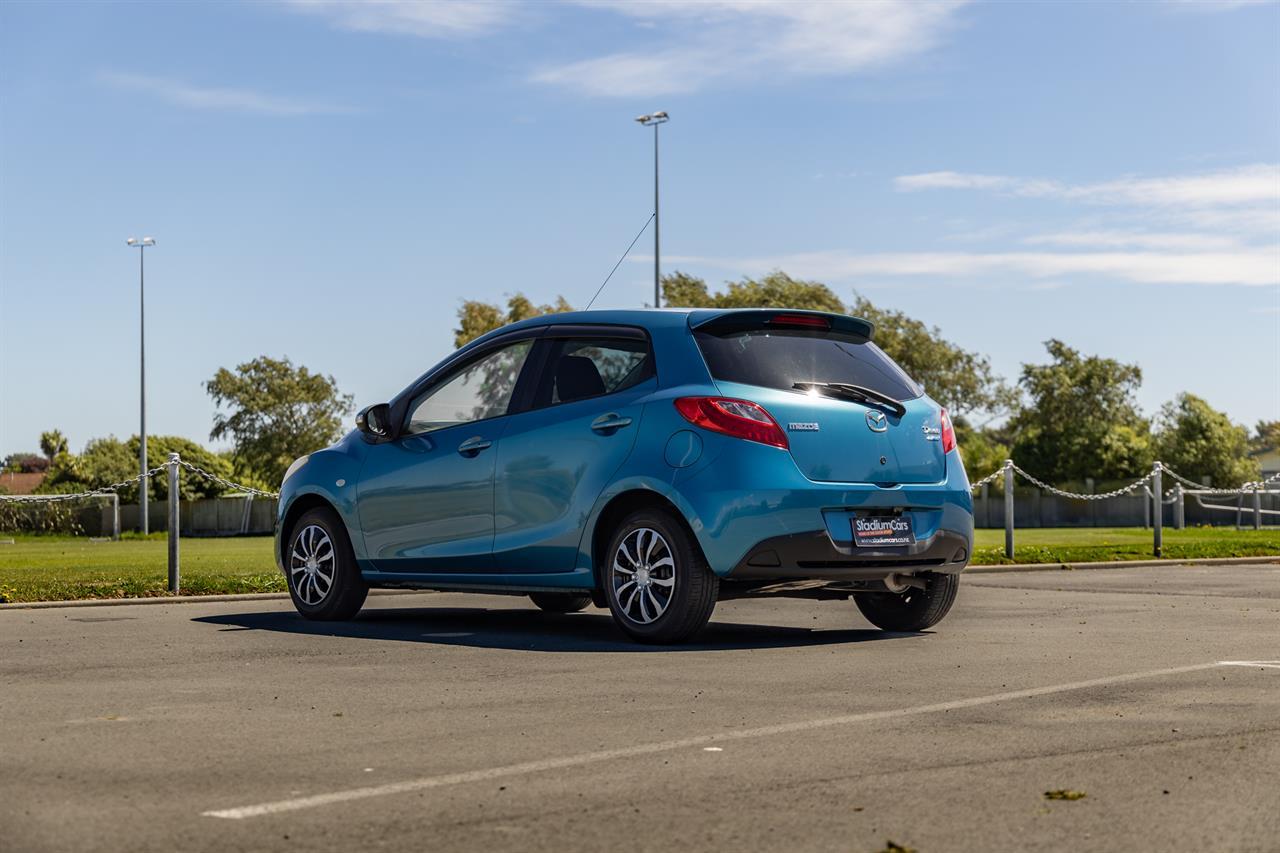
(50, 568)
(1096, 544)
(46, 568)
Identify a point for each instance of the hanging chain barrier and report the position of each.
(989, 478)
(103, 491)
(194, 469)
(1153, 496)
(1114, 493)
(1247, 488)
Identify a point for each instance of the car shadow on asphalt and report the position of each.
(535, 631)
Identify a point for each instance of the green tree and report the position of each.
(983, 450)
(52, 444)
(1203, 444)
(25, 463)
(1082, 419)
(961, 380)
(776, 290)
(106, 461)
(275, 412)
(476, 318)
(1266, 436)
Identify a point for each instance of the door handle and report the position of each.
(610, 421)
(474, 445)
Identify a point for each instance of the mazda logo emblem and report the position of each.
(876, 421)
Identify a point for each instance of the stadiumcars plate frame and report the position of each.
(883, 531)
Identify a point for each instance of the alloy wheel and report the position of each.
(312, 564)
(643, 575)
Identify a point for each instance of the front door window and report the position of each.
(477, 392)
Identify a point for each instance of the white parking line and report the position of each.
(583, 758)
(1264, 664)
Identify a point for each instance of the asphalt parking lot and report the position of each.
(458, 722)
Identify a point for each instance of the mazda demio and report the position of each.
(652, 462)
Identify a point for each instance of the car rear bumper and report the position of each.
(748, 499)
(814, 556)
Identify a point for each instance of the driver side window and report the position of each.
(479, 391)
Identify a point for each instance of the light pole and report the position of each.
(654, 120)
(142, 245)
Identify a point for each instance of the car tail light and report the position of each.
(738, 418)
(948, 433)
(808, 321)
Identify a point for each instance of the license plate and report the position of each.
(877, 531)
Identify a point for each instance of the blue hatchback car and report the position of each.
(651, 462)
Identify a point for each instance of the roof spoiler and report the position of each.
(841, 326)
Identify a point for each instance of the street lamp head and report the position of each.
(148, 241)
(644, 119)
(132, 241)
(145, 241)
(655, 118)
(660, 114)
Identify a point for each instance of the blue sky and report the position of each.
(328, 180)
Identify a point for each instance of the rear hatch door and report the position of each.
(850, 413)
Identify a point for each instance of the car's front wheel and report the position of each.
(913, 610)
(324, 580)
(658, 585)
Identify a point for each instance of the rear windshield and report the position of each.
(775, 358)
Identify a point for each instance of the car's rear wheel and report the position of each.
(324, 581)
(913, 610)
(658, 585)
(560, 602)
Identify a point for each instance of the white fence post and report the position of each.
(1257, 507)
(174, 578)
(1180, 508)
(1008, 508)
(1157, 510)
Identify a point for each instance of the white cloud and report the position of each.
(1214, 228)
(735, 39)
(424, 18)
(215, 98)
(1261, 221)
(1172, 241)
(1253, 184)
(1216, 5)
(1257, 267)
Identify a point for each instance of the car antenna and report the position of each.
(619, 263)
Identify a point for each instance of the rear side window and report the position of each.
(775, 358)
(580, 368)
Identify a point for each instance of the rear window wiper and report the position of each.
(857, 393)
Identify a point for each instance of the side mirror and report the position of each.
(375, 422)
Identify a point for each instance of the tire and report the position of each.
(561, 602)
(306, 559)
(913, 610)
(652, 552)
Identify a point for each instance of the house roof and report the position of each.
(21, 484)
